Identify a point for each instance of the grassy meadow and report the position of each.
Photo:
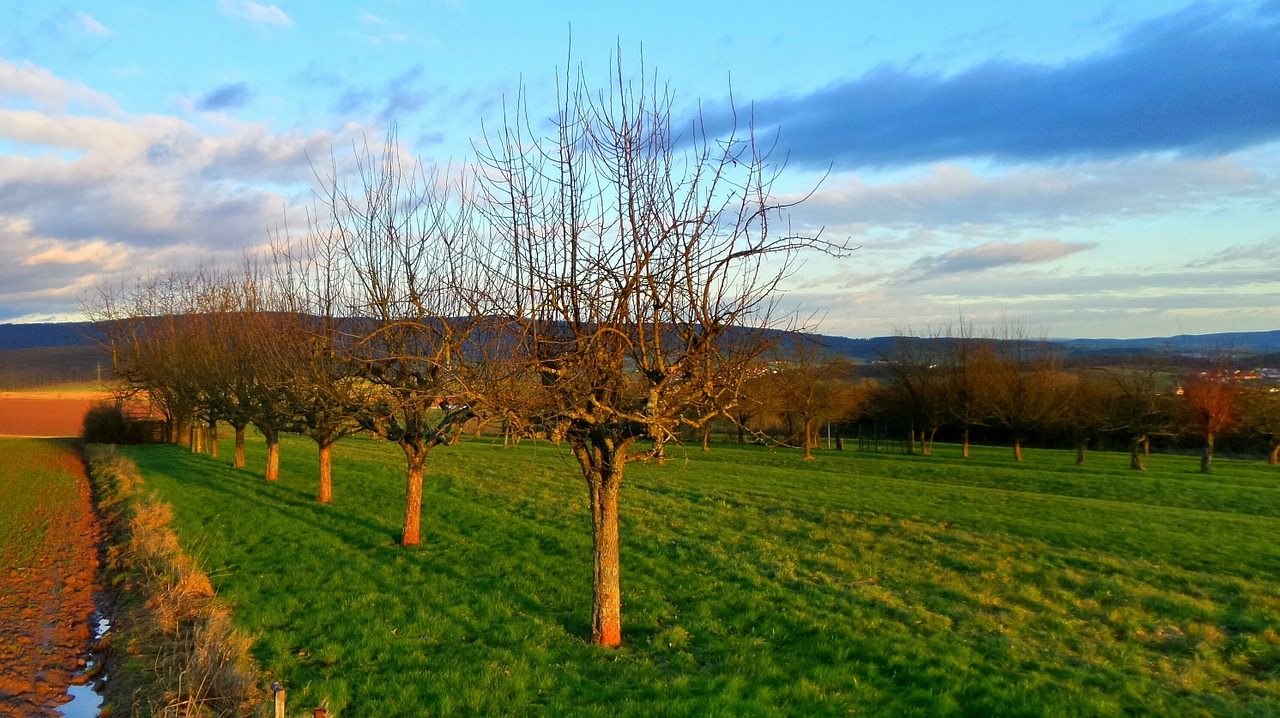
(36, 491)
(754, 583)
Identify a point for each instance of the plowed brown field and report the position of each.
(44, 414)
(49, 538)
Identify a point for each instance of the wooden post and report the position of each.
(278, 690)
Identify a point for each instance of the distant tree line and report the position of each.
(1009, 387)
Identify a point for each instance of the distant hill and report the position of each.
(30, 336)
(1234, 343)
(81, 334)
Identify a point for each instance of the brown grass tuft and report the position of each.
(174, 649)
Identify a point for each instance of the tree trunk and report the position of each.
(238, 462)
(326, 472)
(808, 439)
(911, 441)
(1206, 459)
(416, 457)
(606, 601)
(1017, 448)
(197, 438)
(1081, 448)
(964, 442)
(742, 434)
(1274, 457)
(213, 438)
(273, 455)
(1146, 446)
(706, 437)
(1135, 454)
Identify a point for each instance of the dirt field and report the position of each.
(49, 539)
(44, 414)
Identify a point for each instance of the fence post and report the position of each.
(278, 690)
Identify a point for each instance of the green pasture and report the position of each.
(754, 583)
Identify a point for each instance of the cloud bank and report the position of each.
(88, 189)
(1201, 81)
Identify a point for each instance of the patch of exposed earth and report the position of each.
(48, 568)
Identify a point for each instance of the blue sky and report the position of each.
(1098, 169)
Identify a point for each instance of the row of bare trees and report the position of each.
(604, 284)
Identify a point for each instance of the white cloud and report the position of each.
(997, 254)
(29, 85)
(950, 195)
(255, 13)
(87, 194)
(91, 26)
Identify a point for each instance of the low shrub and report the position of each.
(106, 423)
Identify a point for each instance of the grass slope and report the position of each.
(753, 583)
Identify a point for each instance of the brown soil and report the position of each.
(43, 415)
(47, 600)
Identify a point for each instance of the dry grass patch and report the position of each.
(173, 649)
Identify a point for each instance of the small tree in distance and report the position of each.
(814, 388)
(1260, 416)
(1209, 407)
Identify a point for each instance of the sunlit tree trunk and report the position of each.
(325, 494)
(808, 439)
(273, 454)
(416, 457)
(213, 438)
(1081, 449)
(1273, 457)
(1017, 448)
(964, 442)
(238, 462)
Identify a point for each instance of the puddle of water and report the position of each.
(85, 701)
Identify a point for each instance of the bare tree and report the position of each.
(324, 387)
(1209, 407)
(967, 363)
(632, 262)
(1028, 387)
(914, 391)
(405, 240)
(1260, 416)
(1084, 412)
(814, 389)
(147, 329)
(1140, 405)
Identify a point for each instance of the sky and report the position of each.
(1089, 169)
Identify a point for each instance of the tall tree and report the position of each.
(631, 259)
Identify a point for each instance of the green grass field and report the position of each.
(35, 490)
(754, 583)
